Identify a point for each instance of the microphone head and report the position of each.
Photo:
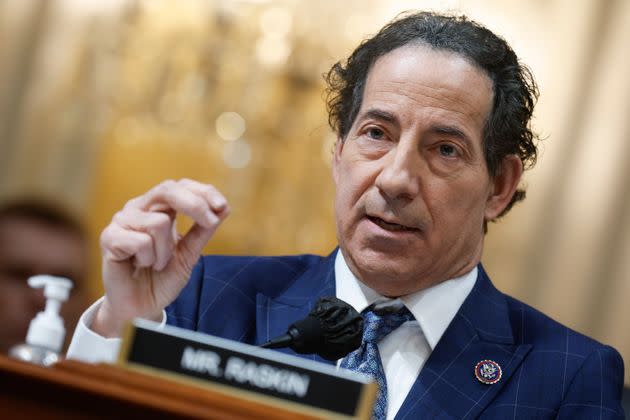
(332, 330)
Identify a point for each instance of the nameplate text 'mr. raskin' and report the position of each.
(222, 364)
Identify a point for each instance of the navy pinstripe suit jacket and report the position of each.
(549, 371)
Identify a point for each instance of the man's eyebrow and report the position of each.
(451, 131)
(379, 114)
(448, 130)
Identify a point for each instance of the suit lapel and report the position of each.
(481, 330)
(275, 314)
(446, 387)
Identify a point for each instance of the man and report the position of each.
(37, 238)
(432, 116)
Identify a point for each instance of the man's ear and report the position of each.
(504, 184)
(337, 159)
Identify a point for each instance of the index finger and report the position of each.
(171, 196)
(217, 201)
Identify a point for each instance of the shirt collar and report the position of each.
(434, 308)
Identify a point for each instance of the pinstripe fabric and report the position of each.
(549, 371)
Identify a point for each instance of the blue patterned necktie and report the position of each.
(366, 359)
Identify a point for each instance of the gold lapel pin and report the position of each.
(488, 372)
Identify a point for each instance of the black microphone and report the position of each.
(332, 330)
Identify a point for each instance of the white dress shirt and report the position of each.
(403, 352)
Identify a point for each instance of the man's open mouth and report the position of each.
(393, 227)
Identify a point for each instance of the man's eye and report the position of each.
(375, 133)
(448, 150)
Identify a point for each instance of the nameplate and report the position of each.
(254, 373)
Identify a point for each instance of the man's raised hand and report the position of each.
(145, 262)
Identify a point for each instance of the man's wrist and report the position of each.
(104, 323)
(108, 325)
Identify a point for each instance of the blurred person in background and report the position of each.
(37, 237)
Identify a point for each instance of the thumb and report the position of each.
(191, 245)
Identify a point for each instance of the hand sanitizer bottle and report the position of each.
(46, 331)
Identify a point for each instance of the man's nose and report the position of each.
(400, 177)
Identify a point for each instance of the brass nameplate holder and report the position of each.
(254, 373)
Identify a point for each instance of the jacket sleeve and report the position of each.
(595, 390)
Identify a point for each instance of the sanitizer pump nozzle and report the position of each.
(46, 331)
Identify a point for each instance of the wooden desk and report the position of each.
(74, 390)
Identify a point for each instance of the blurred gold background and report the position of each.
(101, 100)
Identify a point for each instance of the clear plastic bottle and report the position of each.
(46, 331)
(34, 354)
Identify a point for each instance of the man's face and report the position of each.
(413, 188)
(29, 247)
